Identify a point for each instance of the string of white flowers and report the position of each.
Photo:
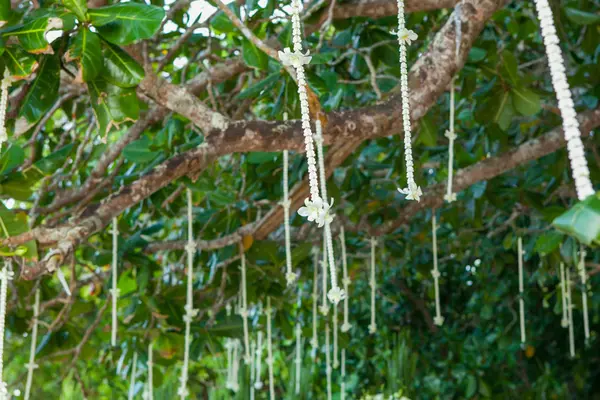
(31, 365)
(435, 272)
(581, 173)
(584, 302)
(345, 281)
(327, 361)
(132, 379)
(335, 294)
(451, 135)
(258, 383)
(570, 309)
(343, 376)
(114, 290)
(269, 311)
(5, 275)
(373, 284)
(336, 361)
(290, 276)
(298, 356)
(252, 369)
(190, 312)
(244, 308)
(298, 60)
(150, 375)
(315, 299)
(6, 82)
(412, 191)
(324, 308)
(521, 290)
(564, 322)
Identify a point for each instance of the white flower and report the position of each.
(291, 277)
(450, 197)
(293, 59)
(407, 36)
(412, 192)
(324, 309)
(312, 209)
(336, 294)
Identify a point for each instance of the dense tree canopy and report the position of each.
(130, 104)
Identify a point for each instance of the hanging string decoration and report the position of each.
(5, 275)
(31, 365)
(314, 342)
(570, 310)
(335, 294)
(150, 375)
(4, 85)
(336, 362)
(132, 379)
(451, 135)
(258, 383)
(232, 346)
(346, 281)
(290, 276)
(564, 322)
(252, 368)
(190, 312)
(373, 284)
(298, 360)
(324, 308)
(584, 303)
(435, 272)
(343, 376)
(269, 311)
(412, 191)
(327, 361)
(114, 291)
(521, 290)
(244, 307)
(581, 173)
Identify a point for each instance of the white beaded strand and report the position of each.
(438, 319)
(259, 345)
(343, 376)
(244, 307)
(580, 171)
(269, 311)
(132, 378)
(115, 290)
(336, 362)
(373, 284)
(584, 302)
(570, 309)
(324, 308)
(346, 326)
(4, 85)
(521, 290)
(412, 191)
(327, 361)
(290, 276)
(564, 322)
(150, 365)
(31, 365)
(252, 368)
(5, 275)
(298, 360)
(314, 343)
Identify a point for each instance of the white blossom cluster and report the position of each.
(4, 85)
(412, 191)
(581, 173)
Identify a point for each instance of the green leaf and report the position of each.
(525, 101)
(43, 92)
(19, 63)
(321, 58)
(48, 165)
(11, 158)
(582, 221)
(510, 66)
(78, 7)
(120, 69)
(428, 132)
(5, 12)
(32, 34)
(548, 242)
(260, 157)
(221, 23)
(582, 17)
(112, 104)
(498, 110)
(13, 224)
(85, 48)
(253, 56)
(139, 151)
(125, 23)
(260, 86)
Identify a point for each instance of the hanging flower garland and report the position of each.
(412, 191)
(521, 300)
(269, 311)
(584, 303)
(570, 310)
(244, 307)
(132, 379)
(114, 290)
(327, 361)
(258, 383)
(373, 284)
(4, 85)
(345, 281)
(564, 322)
(5, 275)
(290, 276)
(150, 365)
(438, 319)
(580, 171)
(31, 365)
(314, 343)
(190, 312)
